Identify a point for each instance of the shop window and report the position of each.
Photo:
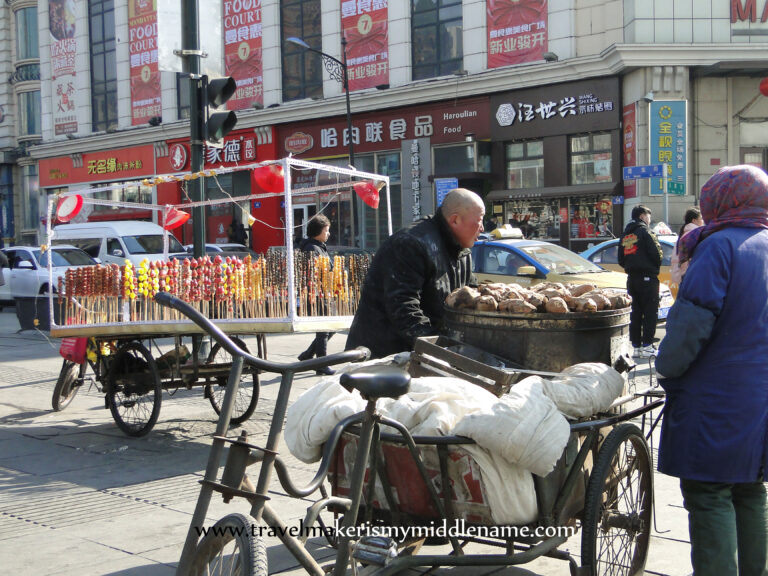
(755, 157)
(101, 19)
(536, 218)
(591, 158)
(138, 193)
(302, 69)
(436, 30)
(591, 217)
(462, 158)
(31, 198)
(525, 165)
(26, 34)
(29, 113)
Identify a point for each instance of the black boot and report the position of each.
(308, 353)
(321, 349)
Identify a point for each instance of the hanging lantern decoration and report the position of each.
(269, 178)
(173, 218)
(764, 86)
(368, 192)
(69, 207)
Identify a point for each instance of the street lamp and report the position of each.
(337, 69)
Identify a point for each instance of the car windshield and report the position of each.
(233, 248)
(151, 244)
(559, 260)
(64, 257)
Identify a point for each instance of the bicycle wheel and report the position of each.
(230, 547)
(617, 510)
(67, 385)
(134, 393)
(247, 392)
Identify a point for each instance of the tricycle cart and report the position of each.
(602, 483)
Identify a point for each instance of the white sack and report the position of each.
(584, 389)
(523, 426)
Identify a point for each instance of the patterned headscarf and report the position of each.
(735, 197)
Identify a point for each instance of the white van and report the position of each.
(116, 242)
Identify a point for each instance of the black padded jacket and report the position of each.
(639, 250)
(405, 289)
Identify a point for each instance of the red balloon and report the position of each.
(269, 178)
(764, 86)
(368, 192)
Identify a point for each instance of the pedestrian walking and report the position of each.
(318, 232)
(640, 255)
(692, 220)
(711, 363)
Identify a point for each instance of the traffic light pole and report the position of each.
(191, 48)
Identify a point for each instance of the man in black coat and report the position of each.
(640, 255)
(412, 273)
(318, 231)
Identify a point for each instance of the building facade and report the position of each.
(537, 105)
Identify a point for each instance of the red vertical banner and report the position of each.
(365, 26)
(517, 31)
(62, 19)
(242, 52)
(629, 146)
(145, 76)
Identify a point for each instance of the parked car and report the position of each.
(27, 275)
(606, 254)
(529, 262)
(238, 250)
(116, 242)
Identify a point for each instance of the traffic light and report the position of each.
(216, 125)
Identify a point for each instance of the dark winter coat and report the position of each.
(315, 246)
(404, 292)
(715, 426)
(639, 250)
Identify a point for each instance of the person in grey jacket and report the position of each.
(413, 272)
(3, 264)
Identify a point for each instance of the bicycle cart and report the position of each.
(132, 373)
(603, 483)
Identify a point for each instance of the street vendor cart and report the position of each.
(112, 323)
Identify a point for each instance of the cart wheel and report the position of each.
(230, 547)
(67, 385)
(134, 393)
(617, 510)
(247, 391)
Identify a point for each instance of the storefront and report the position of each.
(413, 146)
(557, 161)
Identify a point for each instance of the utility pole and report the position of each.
(192, 53)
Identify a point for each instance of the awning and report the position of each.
(602, 189)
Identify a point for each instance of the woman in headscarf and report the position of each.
(713, 366)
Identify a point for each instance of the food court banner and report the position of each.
(61, 24)
(517, 31)
(145, 75)
(364, 25)
(242, 52)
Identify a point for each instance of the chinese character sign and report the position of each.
(62, 17)
(145, 76)
(242, 52)
(517, 31)
(668, 133)
(628, 147)
(364, 25)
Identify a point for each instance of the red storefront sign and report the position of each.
(628, 145)
(517, 31)
(145, 76)
(104, 166)
(365, 27)
(442, 122)
(242, 51)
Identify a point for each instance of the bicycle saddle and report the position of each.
(378, 381)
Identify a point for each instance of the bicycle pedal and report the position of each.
(377, 550)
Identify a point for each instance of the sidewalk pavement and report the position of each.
(77, 496)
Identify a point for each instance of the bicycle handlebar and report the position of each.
(170, 301)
